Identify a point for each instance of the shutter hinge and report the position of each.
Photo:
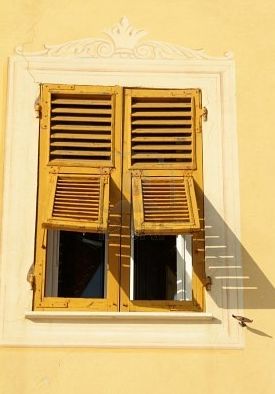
(207, 283)
(31, 277)
(204, 114)
(38, 108)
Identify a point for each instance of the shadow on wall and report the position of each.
(231, 266)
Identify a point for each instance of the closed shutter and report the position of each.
(78, 202)
(163, 125)
(81, 124)
(164, 205)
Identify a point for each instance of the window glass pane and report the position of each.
(162, 267)
(75, 264)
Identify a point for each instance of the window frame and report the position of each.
(118, 273)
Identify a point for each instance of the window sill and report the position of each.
(119, 316)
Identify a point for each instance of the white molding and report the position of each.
(184, 69)
(143, 317)
(123, 41)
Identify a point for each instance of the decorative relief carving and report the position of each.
(123, 41)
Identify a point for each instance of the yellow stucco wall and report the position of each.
(248, 29)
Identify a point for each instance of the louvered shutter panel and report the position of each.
(164, 205)
(163, 127)
(78, 202)
(81, 124)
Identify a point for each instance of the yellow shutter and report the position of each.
(164, 205)
(80, 120)
(79, 158)
(78, 202)
(163, 127)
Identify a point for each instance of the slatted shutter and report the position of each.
(78, 202)
(164, 205)
(163, 126)
(77, 133)
(81, 124)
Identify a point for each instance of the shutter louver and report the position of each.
(163, 129)
(81, 128)
(164, 205)
(79, 202)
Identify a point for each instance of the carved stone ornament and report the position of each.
(123, 41)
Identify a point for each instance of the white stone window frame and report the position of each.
(123, 58)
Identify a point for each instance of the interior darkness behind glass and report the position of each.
(155, 268)
(81, 265)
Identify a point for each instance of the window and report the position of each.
(120, 222)
(84, 63)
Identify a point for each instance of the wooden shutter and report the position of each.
(80, 124)
(164, 205)
(163, 125)
(78, 202)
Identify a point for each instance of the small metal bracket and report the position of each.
(207, 283)
(38, 109)
(31, 276)
(204, 114)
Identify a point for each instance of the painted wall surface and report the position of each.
(247, 28)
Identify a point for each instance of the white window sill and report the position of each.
(120, 316)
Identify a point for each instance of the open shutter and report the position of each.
(78, 202)
(164, 205)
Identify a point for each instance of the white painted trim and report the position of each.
(143, 317)
(216, 79)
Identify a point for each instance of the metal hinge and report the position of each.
(204, 114)
(207, 283)
(38, 108)
(31, 277)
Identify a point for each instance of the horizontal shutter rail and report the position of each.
(163, 126)
(166, 147)
(81, 119)
(161, 105)
(173, 113)
(164, 130)
(96, 128)
(157, 122)
(70, 192)
(79, 136)
(71, 110)
(70, 204)
(163, 203)
(82, 144)
(80, 101)
(161, 156)
(75, 215)
(78, 153)
(81, 127)
(161, 139)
